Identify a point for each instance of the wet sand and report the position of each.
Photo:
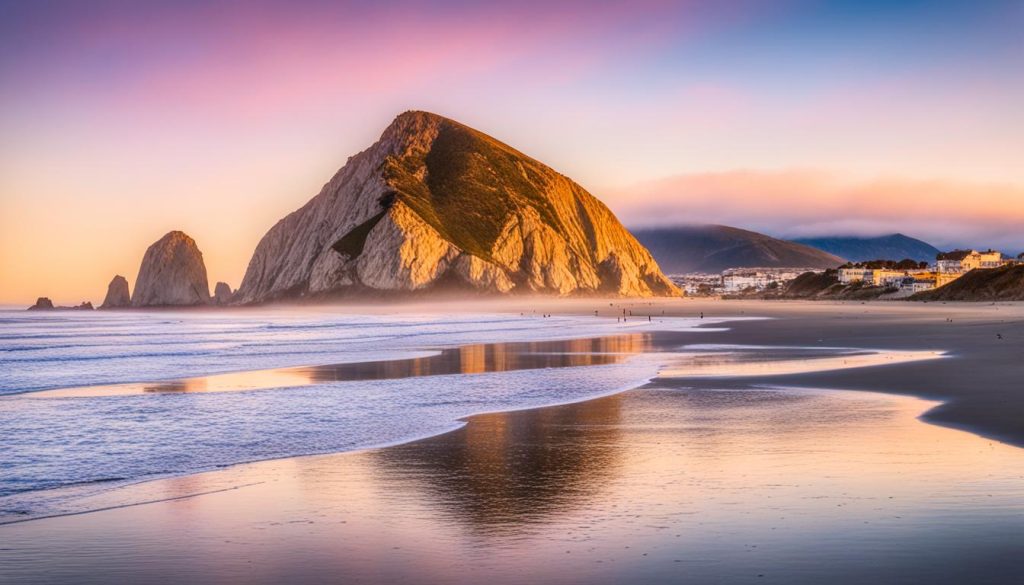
(773, 477)
(652, 485)
(981, 388)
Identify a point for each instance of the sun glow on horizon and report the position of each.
(123, 122)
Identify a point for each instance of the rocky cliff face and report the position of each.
(172, 274)
(117, 294)
(435, 203)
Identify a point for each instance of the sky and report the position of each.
(123, 120)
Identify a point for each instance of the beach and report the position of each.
(773, 442)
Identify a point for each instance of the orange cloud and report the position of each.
(815, 202)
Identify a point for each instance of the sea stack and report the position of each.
(172, 274)
(42, 304)
(45, 304)
(222, 293)
(435, 204)
(117, 294)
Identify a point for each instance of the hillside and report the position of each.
(713, 248)
(1005, 283)
(891, 247)
(436, 204)
(826, 286)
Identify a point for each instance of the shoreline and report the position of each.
(663, 377)
(597, 487)
(460, 426)
(710, 478)
(740, 327)
(457, 303)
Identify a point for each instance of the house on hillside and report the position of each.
(922, 284)
(885, 277)
(960, 261)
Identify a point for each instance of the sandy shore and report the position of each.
(981, 388)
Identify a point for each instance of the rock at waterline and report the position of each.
(118, 296)
(172, 274)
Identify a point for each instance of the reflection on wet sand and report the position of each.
(653, 485)
(741, 361)
(502, 471)
(469, 359)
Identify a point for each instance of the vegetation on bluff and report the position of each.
(467, 185)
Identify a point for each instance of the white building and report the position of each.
(734, 283)
(736, 280)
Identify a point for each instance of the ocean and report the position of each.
(59, 451)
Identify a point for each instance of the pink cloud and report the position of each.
(256, 59)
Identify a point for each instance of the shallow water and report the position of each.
(651, 485)
(63, 446)
(40, 351)
(477, 358)
(107, 480)
(138, 410)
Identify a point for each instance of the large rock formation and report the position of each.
(117, 294)
(172, 274)
(222, 293)
(435, 203)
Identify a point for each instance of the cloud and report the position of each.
(807, 202)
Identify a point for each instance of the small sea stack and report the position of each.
(42, 304)
(222, 293)
(118, 296)
(45, 304)
(172, 274)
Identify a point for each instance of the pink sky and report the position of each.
(120, 122)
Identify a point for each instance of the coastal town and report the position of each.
(900, 279)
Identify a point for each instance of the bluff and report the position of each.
(172, 274)
(435, 204)
(1005, 283)
(713, 248)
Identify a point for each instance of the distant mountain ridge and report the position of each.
(713, 248)
(858, 249)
